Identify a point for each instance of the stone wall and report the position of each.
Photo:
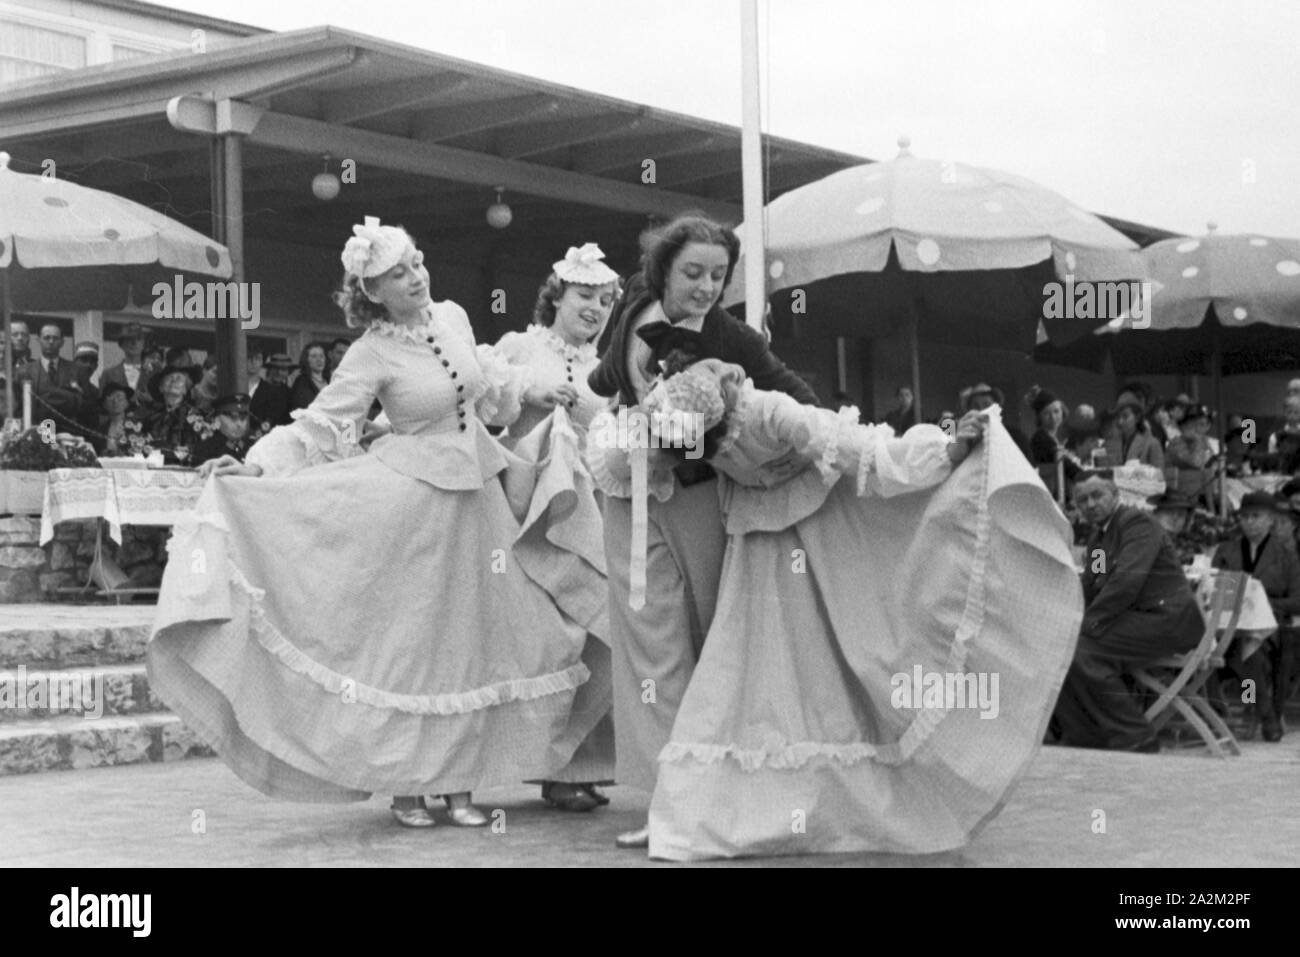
(30, 572)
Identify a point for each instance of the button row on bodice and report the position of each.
(460, 387)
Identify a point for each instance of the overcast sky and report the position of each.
(1167, 112)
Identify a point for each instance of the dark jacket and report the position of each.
(722, 336)
(1042, 451)
(302, 393)
(61, 393)
(271, 403)
(1132, 569)
(1276, 567)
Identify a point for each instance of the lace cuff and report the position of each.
(889, 465)
(314, 438)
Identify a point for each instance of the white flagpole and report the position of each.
(751, 154)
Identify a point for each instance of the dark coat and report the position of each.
(1131, 571)
(271, 403)
(722, 336)
(60, 392)
(1277, 568)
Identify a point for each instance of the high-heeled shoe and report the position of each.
(634, 839)
(417, 816)
(465, 815)
(570, 797)
(601, 799)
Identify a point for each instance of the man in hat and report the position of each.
(271, 402)
(1139, 607)
(232, 436)
(1174, 510)
(85, 360)
(128, 372)
(1258, 552)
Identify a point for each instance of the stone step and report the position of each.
(46, 636)
(70, 743)
(28, 694)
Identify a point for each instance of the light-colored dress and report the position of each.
(810, 723)
(563, 531)
(361, 621)
(554, 362)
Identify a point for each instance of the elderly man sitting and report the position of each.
(1263, 553)
(1140, 607)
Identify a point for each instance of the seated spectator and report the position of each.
(1174, 510)
(981, 396)
(122, 433)
(903, 415)
(1166, 420)
(1257, 552)
(1286, 524)
(1139, 607)
(1285, 442)
(313, 373)
(1047, 446)
(233, 436)
(1193, 454)
(1131, 439)
(204, 393)
(174, 426)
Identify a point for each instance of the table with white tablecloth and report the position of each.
(1257, 620)
(119, 496)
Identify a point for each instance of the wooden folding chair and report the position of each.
(1185, 695)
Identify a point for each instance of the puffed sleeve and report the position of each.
(504, 386)
(329, 428)
(885, 464)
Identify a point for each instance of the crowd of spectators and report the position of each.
(161, 399)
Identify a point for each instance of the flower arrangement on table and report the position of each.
(39, 449)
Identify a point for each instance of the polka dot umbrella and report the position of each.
(953, 253)
(1220, 305)
(68, 247)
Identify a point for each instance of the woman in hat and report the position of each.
(123, 433)
(175, 426)
(1047, 444)
(1131, 440)
(887, 564)
(405, 650)
(1192, 452)
(572, 308)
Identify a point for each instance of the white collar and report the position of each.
(386, 327)
(555, 342)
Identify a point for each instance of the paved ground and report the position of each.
(1171, 809)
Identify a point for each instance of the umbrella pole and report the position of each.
(9, 344)
(1223, 440)
(913, 321)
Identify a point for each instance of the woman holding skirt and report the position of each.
(334, 622)
(893, 626)
(572, 308)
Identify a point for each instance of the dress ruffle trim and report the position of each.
(778, 755)
(316, 425)
(552, 340)
(461, 702)
(501, 401)
(828, 465)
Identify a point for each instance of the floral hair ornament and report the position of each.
(374, 249)
(584, 267)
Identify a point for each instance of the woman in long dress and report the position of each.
(893, 626)
(572, 308)
(350, 622)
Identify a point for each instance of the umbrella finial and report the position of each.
(1210, 227)
(4, 160)
(904, 144)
